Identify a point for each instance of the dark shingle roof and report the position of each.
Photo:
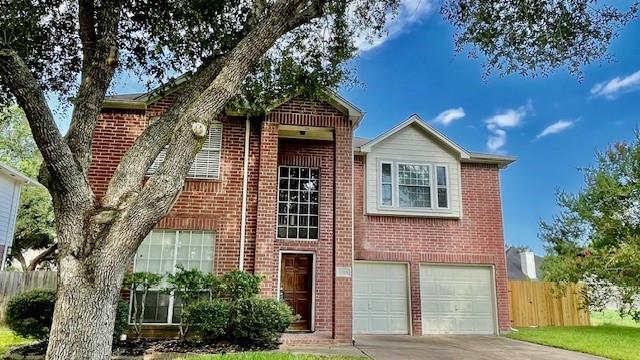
(358, 142)
(514, 267)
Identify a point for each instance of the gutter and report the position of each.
(245, 184)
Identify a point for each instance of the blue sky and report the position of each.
(415, 70)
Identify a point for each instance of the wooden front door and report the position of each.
(296, 278)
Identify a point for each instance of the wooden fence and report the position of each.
(541, 304)
(12, 283)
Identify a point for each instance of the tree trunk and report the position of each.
(85, 309)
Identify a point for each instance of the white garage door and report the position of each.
(380, 299)
(457, 300)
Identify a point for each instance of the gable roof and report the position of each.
(416, 120)
(16, 175)
(142, 100)
(363, 145)
(514, 265)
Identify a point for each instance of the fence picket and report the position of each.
(539, 304)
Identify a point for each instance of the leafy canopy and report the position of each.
(158, 39)
(596, 238)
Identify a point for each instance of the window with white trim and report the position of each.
(160, 253)
(413, 186)
(386, 184)
(206, 164)
(298, 202)
(441, 185)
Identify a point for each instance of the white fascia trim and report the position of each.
(415, 119)
(17, 175)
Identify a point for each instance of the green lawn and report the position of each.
(8, 340)
(269, 356)
(611, 317)
(611, 341)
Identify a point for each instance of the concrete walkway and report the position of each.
(440, 347)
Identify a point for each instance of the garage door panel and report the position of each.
(380, 299)
(456, 299)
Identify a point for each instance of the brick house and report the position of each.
(399, 234)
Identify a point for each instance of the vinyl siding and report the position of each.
(412, 144)
(9, 197)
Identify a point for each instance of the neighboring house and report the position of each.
(11, 182)
(401, 234)
(523, 264)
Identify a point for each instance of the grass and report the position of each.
(611, 341)
(611, 317)
(8, 340)
(269, 356)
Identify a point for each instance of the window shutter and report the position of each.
(206, 164)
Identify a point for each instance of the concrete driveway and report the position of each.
(466, 347)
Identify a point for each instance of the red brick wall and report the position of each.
(476, 238)
(203, 204)
(216, 205)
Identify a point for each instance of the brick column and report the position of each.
(265, 261)
(343, 234)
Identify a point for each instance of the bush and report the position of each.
(237, 284)
(122, 318)
(258, 322)
(209, 318)
(30, 313)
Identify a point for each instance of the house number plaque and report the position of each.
(343, 271)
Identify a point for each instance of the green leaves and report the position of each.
(141, 281)
(596, 238)
(536, 37)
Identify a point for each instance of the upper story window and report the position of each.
(206, 164)
(414, 186)
(298, 201)
(417, 186)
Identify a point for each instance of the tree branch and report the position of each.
(86, 17)
(100, 58)
(148, 205)
(132, 168)
(47, 254)
(57, 156)
(18, 256)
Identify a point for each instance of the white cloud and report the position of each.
(616, 86)
(498, 123)
(507, 119)
(448, 116)
(558, 126)
(409, 12)
(497, 140)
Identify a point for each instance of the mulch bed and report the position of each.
(138, 348)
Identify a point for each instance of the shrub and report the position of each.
(122, 318)
(209, 318)
(237, 284)
(258, 322)
(30, 313)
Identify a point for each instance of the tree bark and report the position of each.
(97, 240)
(87, 295)
(47, 254)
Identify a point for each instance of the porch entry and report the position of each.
(296, 288)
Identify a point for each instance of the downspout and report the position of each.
(245, 185)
